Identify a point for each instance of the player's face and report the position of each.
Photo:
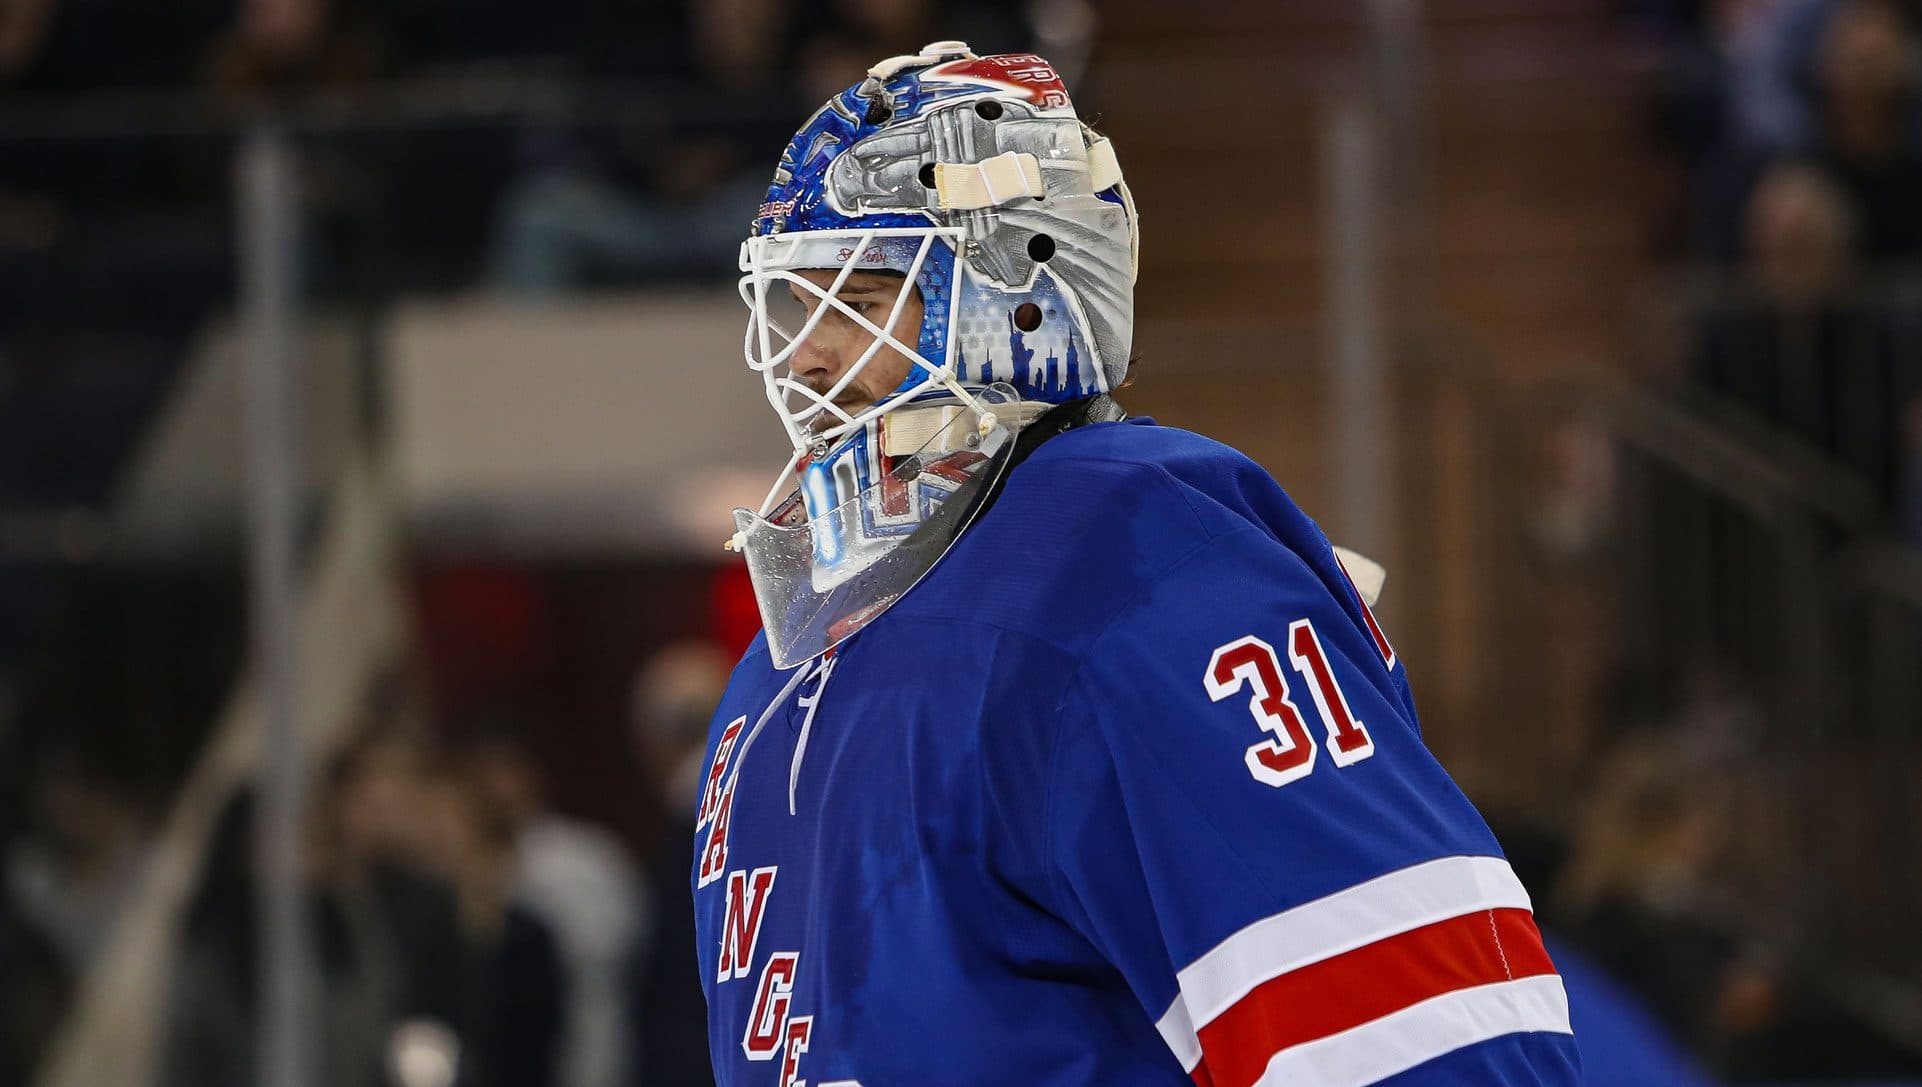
(837, 342)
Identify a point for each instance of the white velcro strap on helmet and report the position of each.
(938, 429)
(912, 430)
(989, 183)
(931, 53)
(1104, 170)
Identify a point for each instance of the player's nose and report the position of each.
(819, 361)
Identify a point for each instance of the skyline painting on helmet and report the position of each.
(987, 350)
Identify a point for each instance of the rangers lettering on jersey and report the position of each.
(799, 1029)
(747, 896)
(767, 1025)
(714, 854)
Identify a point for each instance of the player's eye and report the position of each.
(787, 312)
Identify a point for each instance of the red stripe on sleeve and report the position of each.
(1364, 984)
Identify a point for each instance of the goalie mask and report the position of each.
(969, 184)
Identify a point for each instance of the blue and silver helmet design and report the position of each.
(972, 178)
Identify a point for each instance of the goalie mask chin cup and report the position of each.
(972, 178)
(872, 515)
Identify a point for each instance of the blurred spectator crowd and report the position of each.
(465, 932)
(1788, 136)
(442, 146)
(1796, 127)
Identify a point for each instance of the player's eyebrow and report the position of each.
(886, 286)
(854, 290)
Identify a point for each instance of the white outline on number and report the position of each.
(1249, 674)
(1306, 668)
(773, 999)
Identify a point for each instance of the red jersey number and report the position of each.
(1248, 662)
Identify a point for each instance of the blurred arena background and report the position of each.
(371, 405)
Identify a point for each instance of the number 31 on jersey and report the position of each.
(1250, 663)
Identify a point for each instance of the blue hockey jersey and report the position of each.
(1129, 790)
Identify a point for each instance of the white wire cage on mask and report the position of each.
(786, 307)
